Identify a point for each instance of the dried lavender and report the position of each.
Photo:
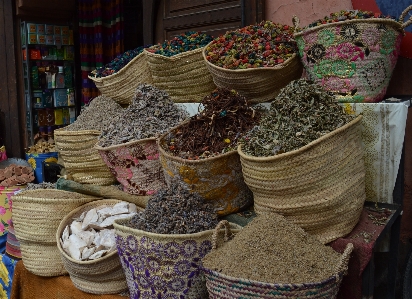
(151, 113)
(174, 210)
(300, 114)
(97, 115)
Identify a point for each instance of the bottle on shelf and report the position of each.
(60, 78)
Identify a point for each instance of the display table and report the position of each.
(29, 286)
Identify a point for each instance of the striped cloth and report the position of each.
(101, 38)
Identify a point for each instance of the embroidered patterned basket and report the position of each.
(354, 59)
(257, 85)
(81, 160)
(160, 265)
(223, 286)
(218, 179)
(121, 86)
(183, 76)
(319, 187)
(135, 165)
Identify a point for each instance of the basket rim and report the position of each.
(63, 132)
(119, 225)
(112, 147)
(40, 199)
(123, 69)
(66, 218)
(261, 69)
(307, 147)
(393, 23)
(174, 57)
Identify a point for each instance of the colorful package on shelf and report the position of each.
(68, 53)
(32, 38)
(41, 39)
(58, 117)
(47, 98)
(66, 116)
(57, 30)
(60, 97)
(49, 39)
(50, 117)
(70, 97)
(60, 53)
(40, 29)
(72, 112)
(57, 40)
(65, 40)
(41, 117)
(49, 29)
(31, 28)
(35, 54)
(38, 99)
(65, 30)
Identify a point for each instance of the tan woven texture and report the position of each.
(184, 76)
(81, 160)
(218, 179)
(260, 84)
(36, 217)
(101, 276)
(121, 86)
(320, 187)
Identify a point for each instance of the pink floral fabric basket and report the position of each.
(353, 59)
(135, 165)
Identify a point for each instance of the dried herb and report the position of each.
(300, 114)
(225, 117)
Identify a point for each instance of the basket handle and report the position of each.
(344, 259)
(295, 21)
(228, 232)
(402, 16)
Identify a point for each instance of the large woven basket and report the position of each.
(223, 286)
(36, 217)
(81, 160)
(157, 264)
(183, 76)
(257, 85)
(121, 86)
(320, 187)
(354, 59)
(135, 165)
(218, 179)
(101, 276)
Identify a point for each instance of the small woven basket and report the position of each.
(101, 276)
(157, 264)
(257, 85)
(320, 187)
(121, 86)
(135, 165)
(183, 76)
(354, 59)
(218, 179)
(36, 217)
(81, 160)
(223, 286)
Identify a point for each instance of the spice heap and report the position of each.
(300, 114)
(116, 64)
(14, 175)
(263, 45)
(216, 129)
(345, 15)
(174, 210)
(97, 115)
(42, 147)
(151, 112)
(188, 41)
(43, 185)
(91, 236)
(271, 249)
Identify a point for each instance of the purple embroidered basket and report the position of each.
(164, 266)
(353, 59)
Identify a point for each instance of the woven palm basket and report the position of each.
(121, 86)
(183, 76)
(81, 160)
(36, 217)
(320, 187)
(101, 276)
(257, 85)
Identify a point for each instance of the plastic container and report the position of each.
(36, 161)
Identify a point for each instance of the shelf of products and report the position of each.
(49, 78)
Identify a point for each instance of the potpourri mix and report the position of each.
(214, 130)
(266, 44)
(187, 41)
(300, 114)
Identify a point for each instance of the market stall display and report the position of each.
(178, 68)
(351, 53)
(257, 60)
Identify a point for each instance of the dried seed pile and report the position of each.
(300, 114)
(43, 185)
(97, 115)
(42, 147)
(225, 117)
(116, 64)
(187, 41)
(151, 113)
(14, 175)
(263, 45)
(174, 210)
(91, 235)
(271, 249)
